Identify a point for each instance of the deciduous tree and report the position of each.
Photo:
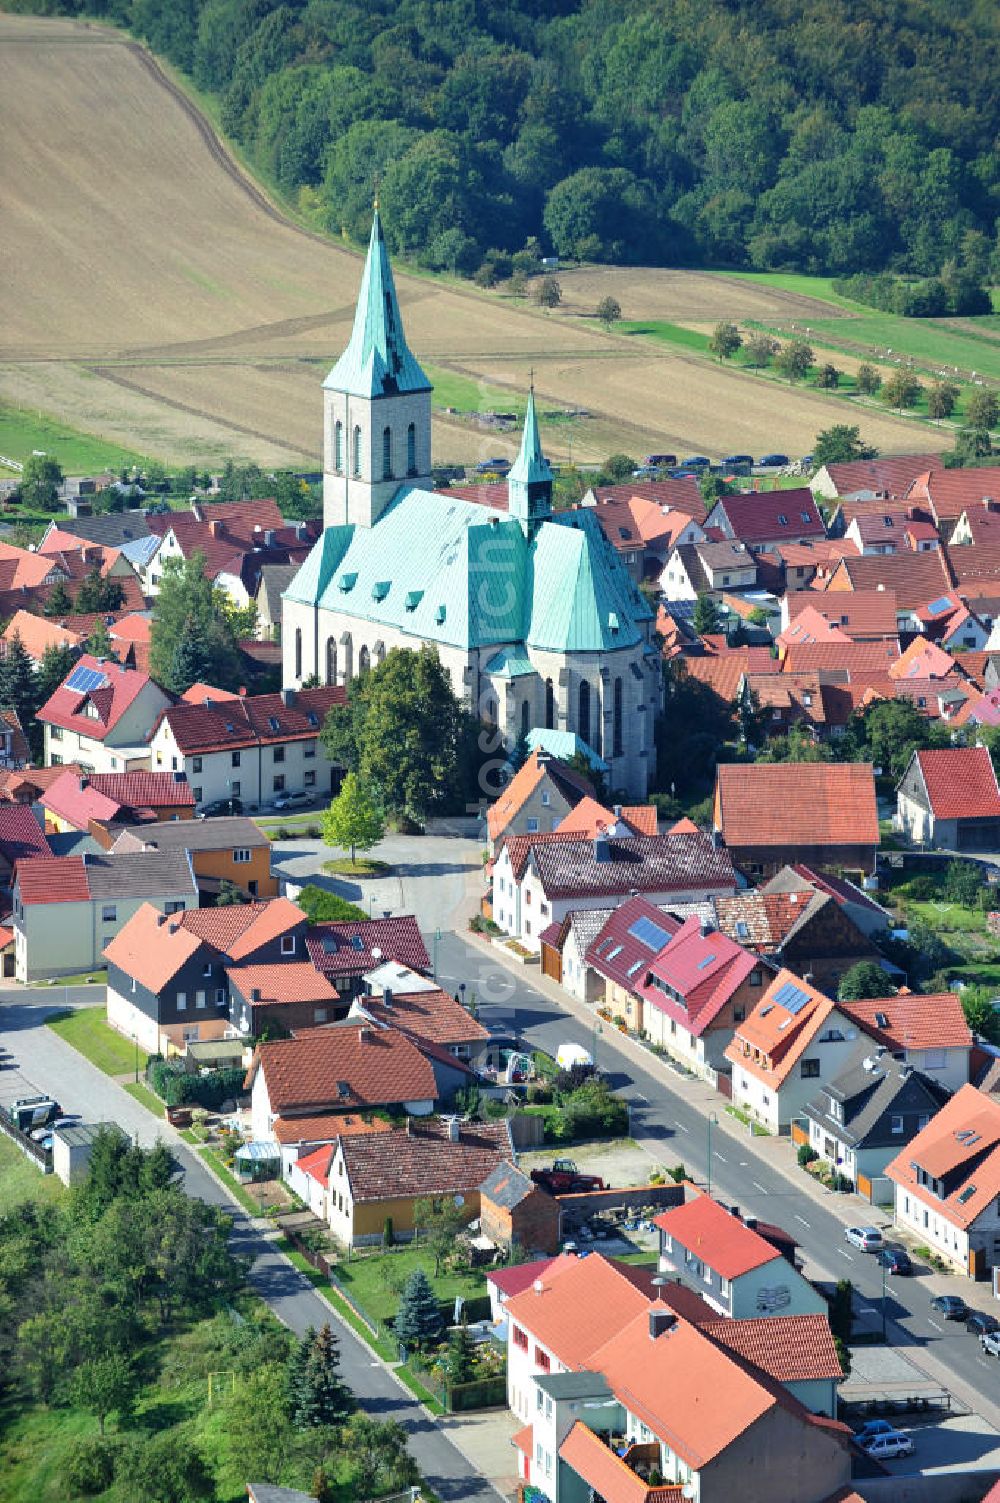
(867, 381)
(866, 979)
(548, 293)
(40, 480)
(609, 311)
(187, 596)
(840, 445)
(982, 410)
(355, 820)
(760, 350)
(901, 390)
(725, 341)
(794, 359)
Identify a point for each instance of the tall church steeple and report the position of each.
(529, 480)
(376, 405)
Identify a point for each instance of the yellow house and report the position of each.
(379, 1178)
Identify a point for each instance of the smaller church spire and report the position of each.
(529, 480)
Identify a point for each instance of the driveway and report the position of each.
(436, 877)
(47, 1062)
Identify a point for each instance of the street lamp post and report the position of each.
(883, 1302)
(712, 1118)
(135, 1037)
(437, 936)
(597, 1031)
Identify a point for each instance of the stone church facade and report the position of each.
(531, 611)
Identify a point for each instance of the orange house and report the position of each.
(229, 849)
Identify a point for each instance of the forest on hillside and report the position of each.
(831, 136)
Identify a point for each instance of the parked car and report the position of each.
(978, 1323)
(990, 1343)
(871, 1428)
(69, 1121)
(657, 461)
(295, 799)
(737, 460)
(772, 461)
(951, 1306)
(217, 806)
(885, 1447)
(867, 1238)
(39, 1134)
(896, 1259)
(696, 462)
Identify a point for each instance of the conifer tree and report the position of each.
(18, 685)
(418, 1320)
(59, 602)
(57, 661)
(325, 1398)
(192, 660)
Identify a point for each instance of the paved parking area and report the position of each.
(963, 1442)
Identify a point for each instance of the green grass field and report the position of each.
(88, 1030)
(666, 333)
(467, 395)
(375, 1282)
(146, 1098)
(24, 429)
(21, 1180)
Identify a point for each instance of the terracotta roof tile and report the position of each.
(720, 672)
(38, 632)
(620, 955)
(317, 1163)
(756, 516)
(120, 688)
(347, 1065)
(681, 494)
(251, 720)
(913, 1020)
(607, 1474)
(721, 1240)
(346, 946)
(892, 475)
(915, 577)
(590, 818)
(702, 969)
(923, 659)
(861, 614)
(115, 795)
(792, 1348)
(327, 1126)
(268, 922)
(520, 1276)
(21, 835)
(961, 1146)
(538, 765)
(852, 656)
(422, 1162)
(432, 1015)
(781, 1026)
(812, 804)
(281, 981)
(55, 879)
(201, 693)
(950, 492)
(960, 782)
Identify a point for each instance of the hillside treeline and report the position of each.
(831, 136)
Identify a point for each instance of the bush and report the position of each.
(963, 883)
(480, 925)
(568, 1081)
(209, 1089)
(91, 1467)
(806, 1155)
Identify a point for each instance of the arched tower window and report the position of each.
(525, 718)
(617, 720)
(298, 652)
(411, 449)
(583, 713)
(331, 660)
(550, 705)
(338, 446)
(364, 660)
(386, 453)
(356, 456)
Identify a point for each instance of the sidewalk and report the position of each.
(780, 1155)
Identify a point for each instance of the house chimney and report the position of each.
(288, 697)
(660, 1321)
(364, 1035)
(255, 994)
(269, 537)
(197, 512)
(616, 810)
(387, 997)
(84, 782)
(215, 528)
(452, 1129)
(750, 1222)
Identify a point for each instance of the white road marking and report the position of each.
(800, 1218)
(846, 1255)
(758, 1186)
(721, 1159)
(682, 1127)
(935, 1325)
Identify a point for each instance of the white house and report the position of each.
(251, 747)
(794, 1040)
(925, 1030)
(947, 1182)
(101, 716)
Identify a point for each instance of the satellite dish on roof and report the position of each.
(376, 953)
(460, 1200)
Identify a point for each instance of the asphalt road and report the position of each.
(675, 1131)
(40, 1059)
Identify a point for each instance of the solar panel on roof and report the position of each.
(85, 679)
(937, 606)
(791, 997)
(648, 933)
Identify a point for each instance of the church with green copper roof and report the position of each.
(531, 610)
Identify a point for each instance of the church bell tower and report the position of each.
(376, 405)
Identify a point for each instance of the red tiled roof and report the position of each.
(792, 1348)
(616, 952)
(432, 1015)
(520, 1276)
(317, 1163)
(852, 656)
(610, 1292)
(892, 475)
(151, 949)
(915, 577)
(21, 836)
(960, 782)
(681, 494)
(590, 818)
(104, 795)
(346, 1065)
(523, 1441)
(704, 969)
(950, 492)
(53, 879)
(200, 694)
(537, 766)
(37, 633)
(719, 1238)
(119, 690)
(755, 516)
(269, 920)
(913, 1020)
(607, 1474)
(259, 719)
(812, 804)
(637, 863)
(769, 1043)
(721, 672)
(345, 946)
(423, 1161)
(327, 1125)
(281, 981)
(923, 659)
(961, 1144)
(862, 614)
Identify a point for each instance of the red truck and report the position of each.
(564, 1178)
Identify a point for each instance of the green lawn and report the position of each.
(24, 429)
(98, 977)
(146, 1098)
(367, 1279)
(946, 918)
(820, 288)
(467, 395)
(364, 866)
(88, 1030)
(666, 333)
(21, 1180)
